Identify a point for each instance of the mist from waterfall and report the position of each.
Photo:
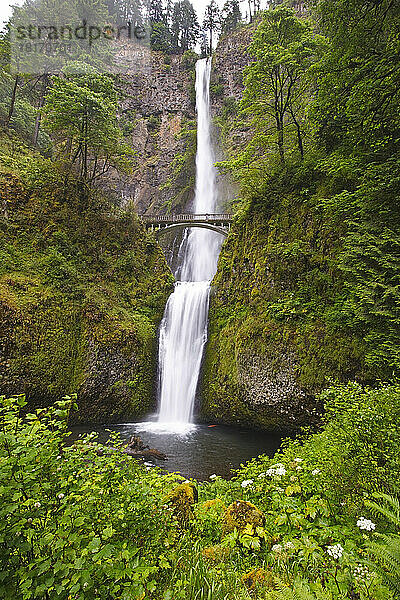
(183, 331)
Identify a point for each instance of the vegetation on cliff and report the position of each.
(82, 290)
(311, 270)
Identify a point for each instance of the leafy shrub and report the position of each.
(80, 521)
(87, 521)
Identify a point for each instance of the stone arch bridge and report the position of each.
(160, 224)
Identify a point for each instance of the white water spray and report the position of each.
(183, 332)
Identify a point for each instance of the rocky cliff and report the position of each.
(158, 116)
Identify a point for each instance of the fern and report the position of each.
(386, 550)
(390, 508)
(300, 590)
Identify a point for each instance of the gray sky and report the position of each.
(5, 7)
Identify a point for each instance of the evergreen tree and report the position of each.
(167, 17)
(160, 38)
(156, 12)
(231, 16)
(212, 21)
(204, 47)
(185, 26)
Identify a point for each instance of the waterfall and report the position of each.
(183, 331)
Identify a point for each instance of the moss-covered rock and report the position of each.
(82, 291)
(258, 579)
(217, 553)
(239, 514)
(182, 499)
(275, 331)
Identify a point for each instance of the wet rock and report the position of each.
(138, 449)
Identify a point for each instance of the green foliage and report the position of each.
(82, 111)
(231, 16)
(183, 167)
(70, 284)
(277, 88)
(313, 492)
(184, 27)
(189, 60)
(315, 151)
(79, 520)
(386, 549)
(211, 25)
(88, 520)
(160, 38)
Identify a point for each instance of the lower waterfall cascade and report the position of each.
(183, 331)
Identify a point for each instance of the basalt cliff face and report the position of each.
(158, 116)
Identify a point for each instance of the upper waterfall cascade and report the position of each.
(183, 331)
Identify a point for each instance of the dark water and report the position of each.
(201, 452)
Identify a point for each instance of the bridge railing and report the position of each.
(186, 217)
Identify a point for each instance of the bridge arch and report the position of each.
(161, 230)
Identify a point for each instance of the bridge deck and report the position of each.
(220, 218)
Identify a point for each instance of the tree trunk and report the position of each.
(280, 141)
(37, 127)
(13, 98)
(39, 115)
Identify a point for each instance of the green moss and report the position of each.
(183, 168)
(81, 294)
(239, 514)
(278, 291)
(182, 499)
(189, 59)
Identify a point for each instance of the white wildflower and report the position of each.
(61, 496)
(298, 460)
(213, 476)
(37, 505)
(362, 573)
(277, 548)
(365, 524)
(335, 551)
(247, 482)
(315, 472)
(277, 470)
(289, 545)
(298, 468)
